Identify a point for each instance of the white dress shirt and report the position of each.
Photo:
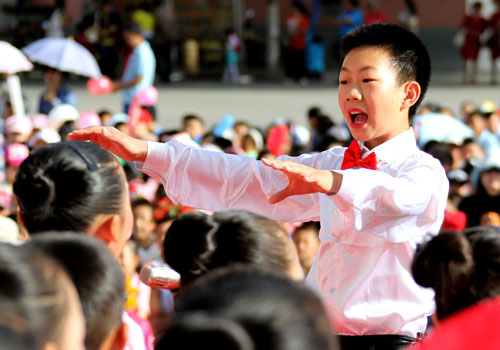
(369, 229)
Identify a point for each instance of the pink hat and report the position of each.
(18, 124)
(16, 153)
(40, 121)
(89, 118)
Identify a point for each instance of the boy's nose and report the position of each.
(354, 94)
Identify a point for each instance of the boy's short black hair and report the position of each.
(408, 54)
(96, 275)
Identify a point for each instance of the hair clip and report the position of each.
(89, 161)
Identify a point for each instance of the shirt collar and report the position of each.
(399, 145)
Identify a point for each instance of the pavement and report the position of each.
(260, 101)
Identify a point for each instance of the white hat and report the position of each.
(63, 113)
(491, 161)
(9, 230)
(48, 136)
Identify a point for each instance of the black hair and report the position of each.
(32, 286)
(138, 202)
(314, 112)
(301, 7)
(103, 112)
(408, 54)
(410, 4)
(96, 275)
(11, 335)
(196, 243)
(65, 186)
(65, 129)
(440, 151)
(133, 27)
(244, 308)
(310, 225)
(462, 267)
(190, 117)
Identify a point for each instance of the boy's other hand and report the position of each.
(116, 142)
(303, 180)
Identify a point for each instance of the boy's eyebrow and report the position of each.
(361, 70)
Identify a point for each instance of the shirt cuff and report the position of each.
(154, 156)
(344, 198)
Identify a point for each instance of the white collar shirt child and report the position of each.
(369, 229)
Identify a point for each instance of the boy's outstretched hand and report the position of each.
(303, 179)
(116, 142)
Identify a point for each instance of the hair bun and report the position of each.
(190, 243)
(196, 331)
(35, 192)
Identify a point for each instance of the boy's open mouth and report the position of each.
(358, 117)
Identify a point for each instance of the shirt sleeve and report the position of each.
(391, 206)
(218, 181)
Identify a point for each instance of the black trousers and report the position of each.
(374, 342)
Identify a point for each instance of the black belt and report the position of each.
(375, 342)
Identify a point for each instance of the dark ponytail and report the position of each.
(189, 244)
(461, 267)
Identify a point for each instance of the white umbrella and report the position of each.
(12, 60)
(63, 54)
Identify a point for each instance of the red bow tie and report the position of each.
(352, 158)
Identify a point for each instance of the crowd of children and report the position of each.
(233, 204)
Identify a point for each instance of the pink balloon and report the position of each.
(100, 86)
(147, 96)
(89, 119)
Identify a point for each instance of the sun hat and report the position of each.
(18, 124)
(63, 113)
(48, 136)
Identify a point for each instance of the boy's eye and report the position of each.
(368, 80)
(343, 82)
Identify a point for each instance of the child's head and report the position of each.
(462, 267)
(39, 291)
(97, 278)
(76, 186)
(105, 116)
(384, 77)
(17, 129)
(193, 125)
(306, 238)
(476, 7)
(129, 258)
(239, 307)
(144, 220)
(477, 121)
(197, 243)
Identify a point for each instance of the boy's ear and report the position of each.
(411, 94)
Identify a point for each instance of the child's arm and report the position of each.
(204, 179)
(116, 142)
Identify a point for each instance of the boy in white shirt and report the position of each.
(374, 210)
